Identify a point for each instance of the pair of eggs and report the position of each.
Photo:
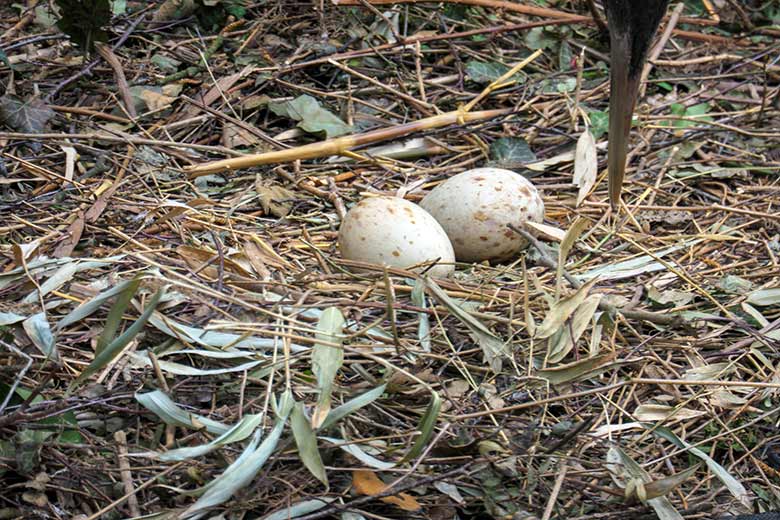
(464, 218)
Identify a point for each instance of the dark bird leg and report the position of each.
(632, 25)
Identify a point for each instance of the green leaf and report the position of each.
(4, 59)
(239, 474)
(10, 318)
(426, 427)
(83, 21)
(327, 360)
(352, 405)
(240, 431)
(299, 509)
(28, 444)
(116, 346)
(161, 405)
(38, 330)
(764, 297)
(511, 153)
(311, 116)
(424, 326)
(732, 284)
(357, 452)
(118, 7)
(485, 72)
(90, 306)
(142, 359)
(565, 56)
(599, 123)
(307, 443)
(114, 318)
(538, 38)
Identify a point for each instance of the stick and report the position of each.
(339, 145)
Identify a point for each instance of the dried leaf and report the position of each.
(586, 165)
(174, 10)
(275, 200)
(625, 471)
(576, 370)
(568, 337)
(569, 239)
(365, 482)
(661, 412)
(561, 311)
(545, 231)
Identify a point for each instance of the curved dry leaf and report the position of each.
(365, 482)
(661, 412)
(586, 165)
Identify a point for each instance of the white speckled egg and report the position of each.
(395, 232)
(474, 208)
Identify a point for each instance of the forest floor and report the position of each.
(186, 344)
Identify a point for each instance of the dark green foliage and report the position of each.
(83, 21)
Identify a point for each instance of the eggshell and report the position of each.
(395, 232)
(474, 208)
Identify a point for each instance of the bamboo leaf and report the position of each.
(352, 405)
(561, 311)
(571, 236)
(426, 427)
(114, 318)
(327, 360)
(93, 304)
(240, 431)
(38, 330)
(299, 509)
(116, 346)
(239, 474)
(734, 486)
(424, 326)
(163, 407)
(586, 164)
(493, 348)
(307, 444)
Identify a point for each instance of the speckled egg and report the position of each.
(395, 232)
(474, 208)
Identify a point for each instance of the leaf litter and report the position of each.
(211, 323)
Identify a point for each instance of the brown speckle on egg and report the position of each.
(474, 207)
